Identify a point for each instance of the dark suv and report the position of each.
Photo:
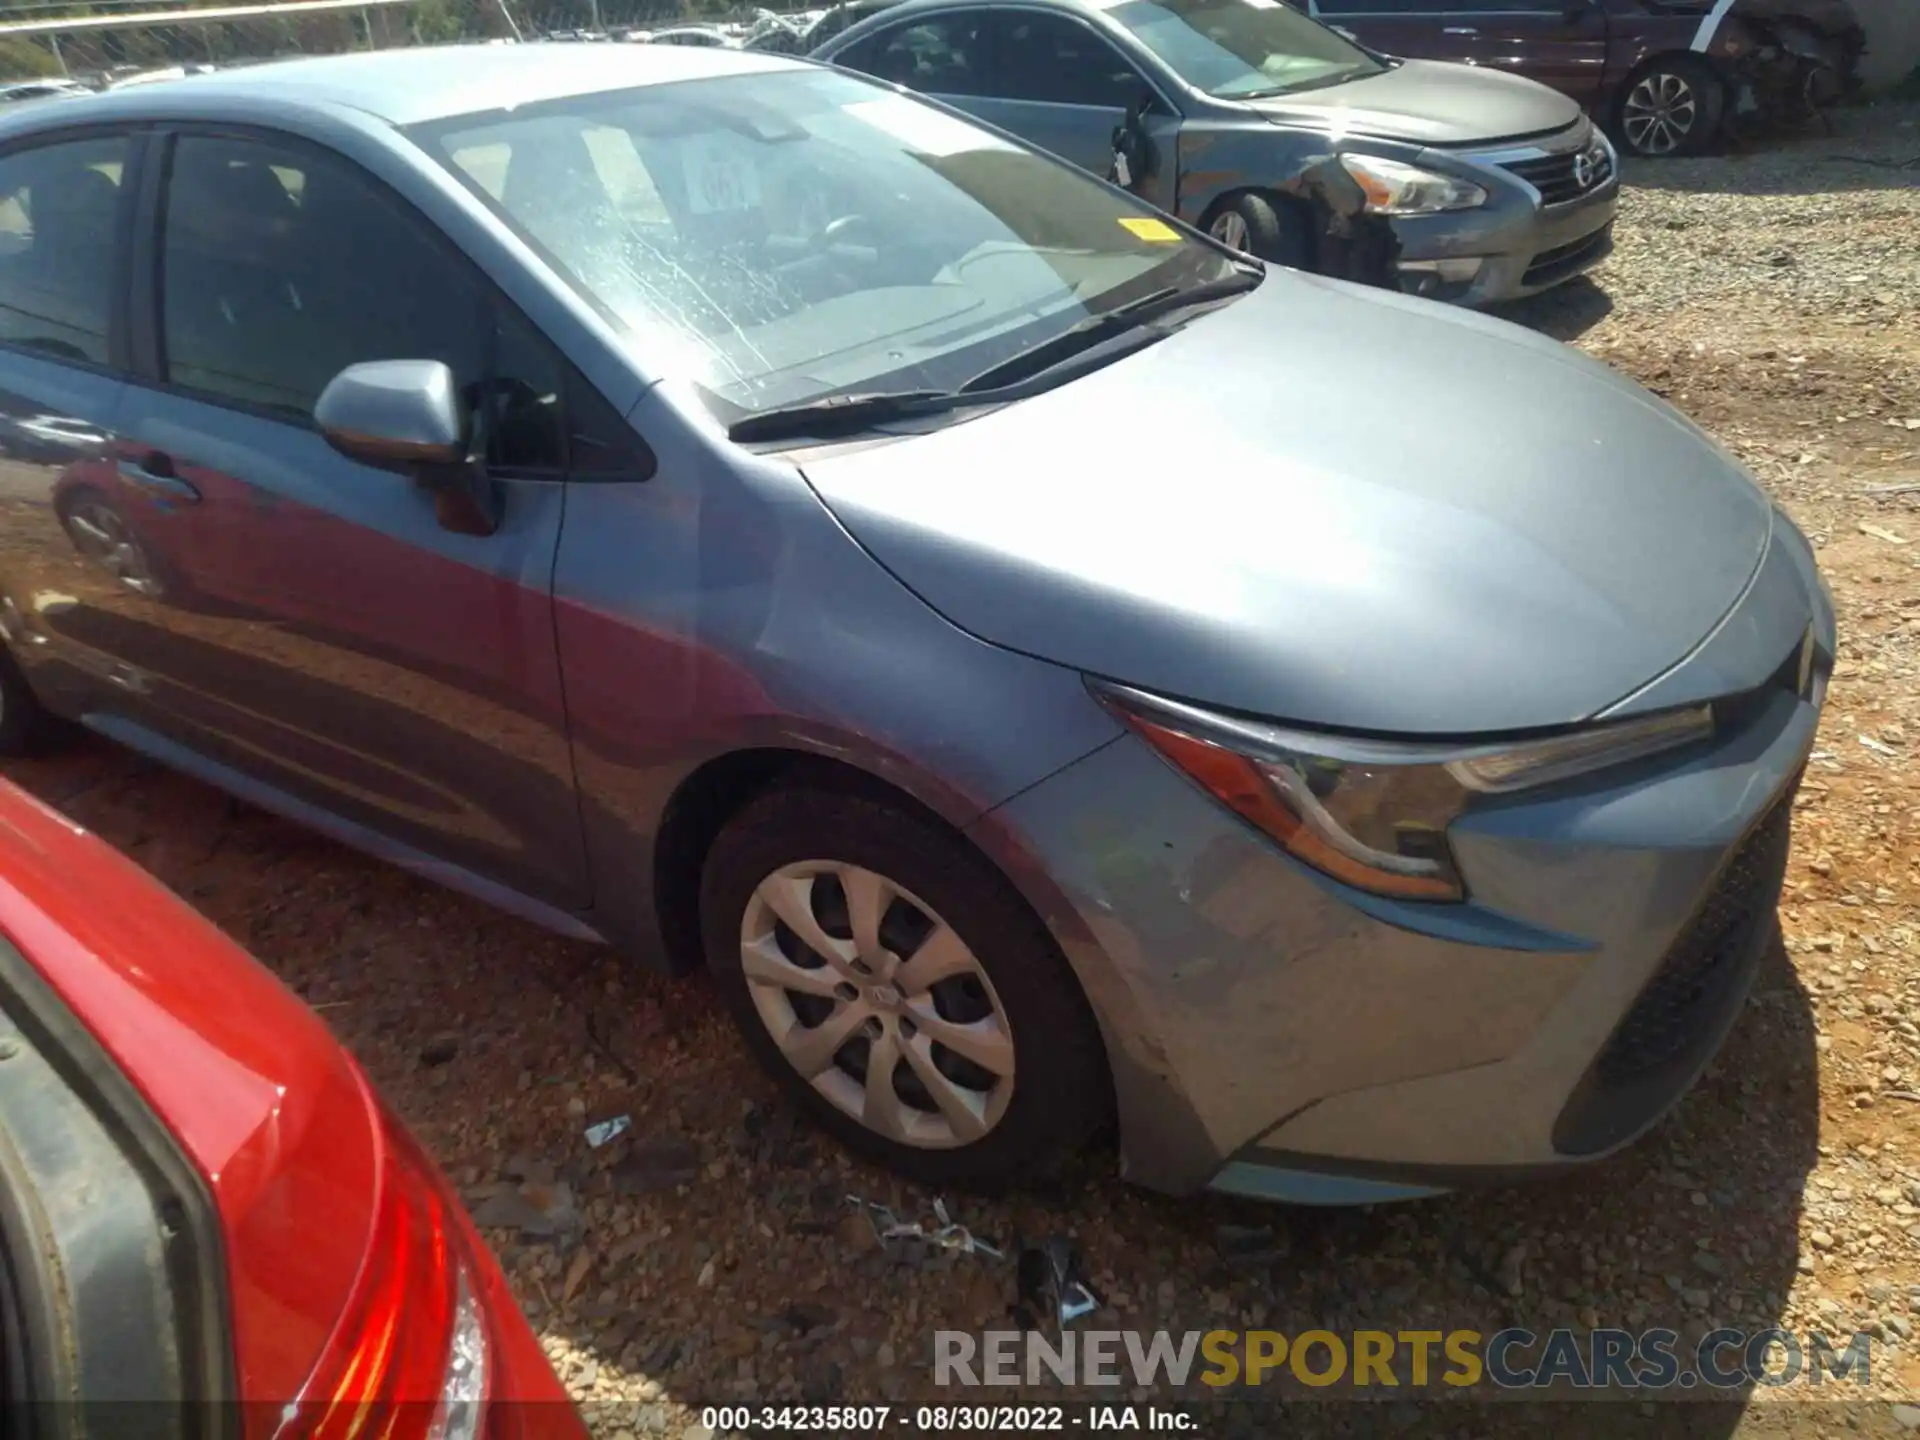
(1666, 75)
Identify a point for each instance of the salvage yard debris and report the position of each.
(948, 1235)
(598, 1135)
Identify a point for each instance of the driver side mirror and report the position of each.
(408, 416)
(395, 414)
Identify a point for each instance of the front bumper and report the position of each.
(1522, 245)
(1277, 1034)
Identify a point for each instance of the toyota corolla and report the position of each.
(1053, 671)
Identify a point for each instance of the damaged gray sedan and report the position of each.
(1670, 76)
(1277, 135)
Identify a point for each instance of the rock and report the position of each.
(705, 1282)
(541, 1213)
(1708, 1261)
(884, 1356)
(1907, 1417)
(440, 1051)
(576, 1275)
(1821, 1240)
(1900, 1325)
(856, 1233)
(821, 1384)
(801, 1317)
(577, 1108)
(1509, 1273)
(660, 1162)
(1249, 1245)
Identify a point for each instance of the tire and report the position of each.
(1034, 1086)
(25, 726)
(1256, 226)
(1654, 103)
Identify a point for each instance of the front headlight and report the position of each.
(1395, 188)
(1374, 814)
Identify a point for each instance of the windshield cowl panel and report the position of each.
(778, 239)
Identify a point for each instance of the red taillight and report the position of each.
(409, 1359)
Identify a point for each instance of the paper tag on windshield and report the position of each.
(721, 175)
(1145, 227)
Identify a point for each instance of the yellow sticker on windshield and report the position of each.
(1154, 232)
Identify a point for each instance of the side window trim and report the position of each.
(126, 214)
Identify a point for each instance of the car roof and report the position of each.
(405, 87)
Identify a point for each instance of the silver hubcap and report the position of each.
(102, 536)
(1230, 229)
(1660, 113)
(878, 1003)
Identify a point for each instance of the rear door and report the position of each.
(66, 202)
(325, 634)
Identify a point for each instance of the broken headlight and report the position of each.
(1374, 814)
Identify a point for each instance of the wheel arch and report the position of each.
(1680, 57)
(717, 790)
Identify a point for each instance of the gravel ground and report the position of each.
(708, 1256)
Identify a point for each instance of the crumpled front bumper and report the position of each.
(1275, 1033)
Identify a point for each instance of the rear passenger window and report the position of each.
(281, 269)
(59, 207)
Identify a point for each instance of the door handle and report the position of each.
(153, 473)
(1459, 30)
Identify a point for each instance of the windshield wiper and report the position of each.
(1098, 329)
(837, 413)
(1011, 379)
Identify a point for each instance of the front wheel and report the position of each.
(1673, 107)
(1255, 225)
(899, 990)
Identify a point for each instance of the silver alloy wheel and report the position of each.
(878, 1003)
(102, 536)
(1230, 229)
(1660, 113)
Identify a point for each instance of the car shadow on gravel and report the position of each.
(1565, 312)
(1692, 1229)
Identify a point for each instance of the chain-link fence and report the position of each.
(107, 41)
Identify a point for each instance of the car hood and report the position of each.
(1330, 505)
(1428, 102)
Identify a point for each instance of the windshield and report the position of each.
(785, 236)
(1243, 49)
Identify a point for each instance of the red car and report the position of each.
(202, 1199)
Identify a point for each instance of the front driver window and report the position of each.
(283, 267)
